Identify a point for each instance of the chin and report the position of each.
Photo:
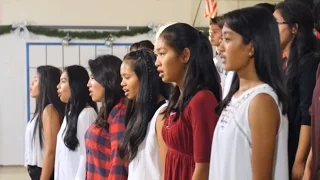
(166, 80)
(63, 100)
(130, 98)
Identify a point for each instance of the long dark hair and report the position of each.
(201, 72)
(270, 7)
(297, 13)
(316, 14)
(79, 99)
(106, 71)
(141, 110)
(266, 42)
(49, 78)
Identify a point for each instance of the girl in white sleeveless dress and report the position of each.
(250, 139)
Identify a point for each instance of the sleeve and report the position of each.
(307, 83)
(317, 81)
(119, 167)
(84, 123)
(203, 122)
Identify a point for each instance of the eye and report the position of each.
(226, 39)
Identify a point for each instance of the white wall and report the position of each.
(112, 12)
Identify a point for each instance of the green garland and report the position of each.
(51, 32)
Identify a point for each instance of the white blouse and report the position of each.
(231, 152)
(147, 165)
(33, 151)
(70, 165)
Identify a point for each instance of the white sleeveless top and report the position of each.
(33, 151)
(147, 164)
(231, 151)
(71, 165)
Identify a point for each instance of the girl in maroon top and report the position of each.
(184, 57)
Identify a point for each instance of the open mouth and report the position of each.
(126, 92)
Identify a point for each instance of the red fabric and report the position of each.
(317, 34)
(103, 162)
(189, 140)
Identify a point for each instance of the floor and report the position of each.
(13, 173)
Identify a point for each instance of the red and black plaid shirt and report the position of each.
(103, 161)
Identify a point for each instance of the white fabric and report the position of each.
(218, 62)
(231, 151)
(147, 164)
(33, 151)
(227, 84)
(70, 165)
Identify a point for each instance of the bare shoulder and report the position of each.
(262, 101)
(263, 109)
(50, 112)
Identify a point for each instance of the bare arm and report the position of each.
(201, 171)
(51, 126)
(162, 144)
(307, 83)
(264, 120)
(304, 144)
(307, 171)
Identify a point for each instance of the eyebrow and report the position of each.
(226, 32)
(159, 49)
(63, 79)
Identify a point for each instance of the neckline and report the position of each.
(247, 91)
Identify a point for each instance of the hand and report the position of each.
(298, 171)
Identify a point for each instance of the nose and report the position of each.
(122, 83)
(221, 46)
(157, 63)
(89, 83)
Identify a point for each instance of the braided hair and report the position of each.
(141, 109)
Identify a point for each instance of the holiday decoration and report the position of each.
(24, 29)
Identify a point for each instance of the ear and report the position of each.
(185, 56)
(294, 29)
(251, 50)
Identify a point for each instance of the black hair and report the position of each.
(134, 46)
(146, 44)
(49, 78)
(266, 43)
(304, 42)
(141, 110)
(316, 14)
(270, 7)
(219, 20)
(200, 73)
(106, 71)
(78, 78)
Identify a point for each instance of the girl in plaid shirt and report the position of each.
(103, 136)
